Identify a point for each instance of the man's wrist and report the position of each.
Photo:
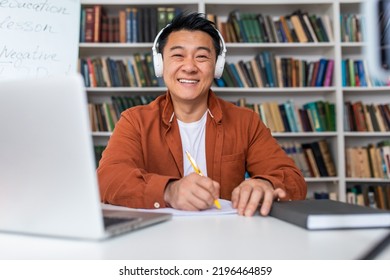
(167, 193)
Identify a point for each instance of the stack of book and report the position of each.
(297, 27)
(366, 117)
(128, 25)
(134, 71)
(268, 70)
(313, 159)
(372, 161)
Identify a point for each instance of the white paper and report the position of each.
(226, 209)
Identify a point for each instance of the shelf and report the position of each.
(115, 45)
(273, 90)
(280, 45)
(101, 134)
(367, 180)
(322, 179)
(304, 134)
(359, 90)
(125, 89)
(367, 134)
(353, 44)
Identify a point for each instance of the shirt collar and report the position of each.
(215, 110)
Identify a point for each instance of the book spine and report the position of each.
(89, 24)
(321, 72)
(329, 73)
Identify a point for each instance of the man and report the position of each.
(145, 165)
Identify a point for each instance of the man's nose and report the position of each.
(189, 64)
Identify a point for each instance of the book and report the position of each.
(329, 73)
(299, 29)
(320, 77)
(327, 157)
(318, 157)
(89, 25)
(304, 25)
(286, 29)
(329, 214)
(97, 23)
(310, 159)
(309, 26)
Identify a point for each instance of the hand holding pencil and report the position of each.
(199, 172)
(193, 192)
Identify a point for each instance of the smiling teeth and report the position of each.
(188, 81)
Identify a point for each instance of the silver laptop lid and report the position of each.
(47, 170)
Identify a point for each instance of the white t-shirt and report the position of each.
(193, 140)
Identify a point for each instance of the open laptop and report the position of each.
(48, 183)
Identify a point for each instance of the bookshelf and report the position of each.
(335, 49)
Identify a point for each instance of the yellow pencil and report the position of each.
(199, 172)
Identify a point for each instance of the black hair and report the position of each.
(191, 21)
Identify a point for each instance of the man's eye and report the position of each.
(202, 57)
(177, 55)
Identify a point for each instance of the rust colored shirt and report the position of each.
(144, 154)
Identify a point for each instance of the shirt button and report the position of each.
(156, 205)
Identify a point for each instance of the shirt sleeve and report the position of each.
(123, 179)
(267, 160)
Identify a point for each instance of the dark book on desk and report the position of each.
(329, 214)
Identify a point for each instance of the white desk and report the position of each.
(210, 237)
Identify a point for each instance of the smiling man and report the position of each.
(145, 165)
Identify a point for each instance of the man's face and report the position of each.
(189, 64)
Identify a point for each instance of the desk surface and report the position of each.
(207, 237)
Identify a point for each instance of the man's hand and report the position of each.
(250, 193)
(192, 192)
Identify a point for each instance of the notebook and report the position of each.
(47, 166)
(329, 214)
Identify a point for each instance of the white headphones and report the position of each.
(158, 61)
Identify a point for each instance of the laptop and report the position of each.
(48, 182)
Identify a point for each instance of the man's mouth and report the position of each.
(185, 81)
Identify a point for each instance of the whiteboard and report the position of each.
(38, 38)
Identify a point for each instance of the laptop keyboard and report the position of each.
(109, 221)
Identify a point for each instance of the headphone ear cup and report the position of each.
(219, 66)
(158, 64)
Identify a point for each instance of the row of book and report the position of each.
(366, 117)
(314, 159)
(269, 70)
(134, 71)
(351, 28)
(371, 161)
(375, 196)
(355, 73)
(325, 195)
(128, 25)
(255, 27)
(104, 116)
(315, 116)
